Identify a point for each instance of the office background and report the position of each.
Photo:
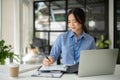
(17, 22)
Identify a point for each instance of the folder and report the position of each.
(54, 71)
(47, 74)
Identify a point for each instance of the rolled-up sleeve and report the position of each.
(56, 48)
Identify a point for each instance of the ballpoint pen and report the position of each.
(39, 68)
(47, 58)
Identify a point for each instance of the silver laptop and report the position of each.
(97, 62)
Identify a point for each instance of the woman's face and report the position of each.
(73, 24)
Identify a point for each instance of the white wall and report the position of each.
(7, 21)
(0, 21)
(13, 30)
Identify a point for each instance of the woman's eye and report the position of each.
(75, 21)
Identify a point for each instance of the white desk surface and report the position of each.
(27, 70)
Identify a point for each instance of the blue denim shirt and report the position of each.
(63, 46)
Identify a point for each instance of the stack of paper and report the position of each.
(54, 71)
(54, 68)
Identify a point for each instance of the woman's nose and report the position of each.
(71, 24)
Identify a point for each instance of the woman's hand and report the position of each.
(47, 62)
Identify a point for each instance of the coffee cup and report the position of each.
(13, 70)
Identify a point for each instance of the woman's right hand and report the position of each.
(47, 62)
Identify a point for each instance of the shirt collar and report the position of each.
(72, 34)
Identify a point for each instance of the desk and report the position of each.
(26, 75)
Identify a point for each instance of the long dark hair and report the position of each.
(79, 16)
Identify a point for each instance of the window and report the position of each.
(117, 27)
(49, 20)
(50, 17)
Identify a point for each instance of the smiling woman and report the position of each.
(69, 44)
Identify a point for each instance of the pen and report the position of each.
(47, 58)
(39, 68)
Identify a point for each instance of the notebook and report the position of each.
(54, 68)
(97, 62)
(54, 71)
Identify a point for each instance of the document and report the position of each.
(54, 71)
(54, 68)
(47, 74)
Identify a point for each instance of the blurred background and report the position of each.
(35, 24)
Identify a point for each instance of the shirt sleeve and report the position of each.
(56, 48)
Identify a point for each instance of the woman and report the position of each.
(69, 44)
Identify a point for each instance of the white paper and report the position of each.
(54, 68)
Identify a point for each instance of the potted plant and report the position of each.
(5, 52)
(103, 43)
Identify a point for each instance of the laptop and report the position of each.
(97, 62)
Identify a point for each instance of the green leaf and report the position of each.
(101, 45)
(102, 37)
(5, 52)
(107, 42)
(2, 61)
